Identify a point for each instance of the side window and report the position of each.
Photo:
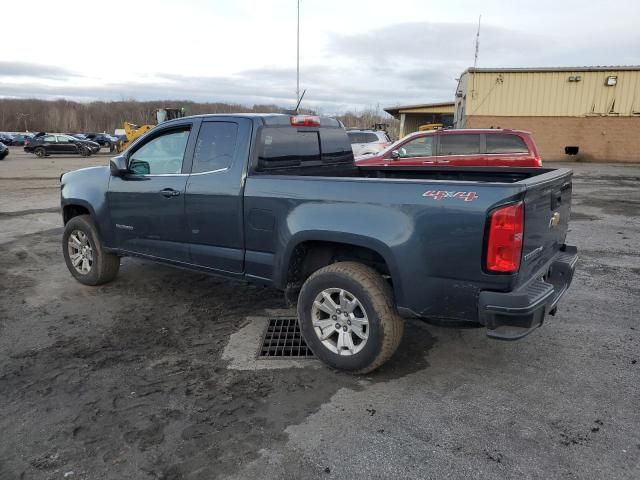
(61, 139)
(453, 144)
(161, 155)
(287, 147)
(215, 147)
(418, 147)
(335, 145)
(50, 139)
(505, 144)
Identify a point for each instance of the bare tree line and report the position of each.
(18, 115)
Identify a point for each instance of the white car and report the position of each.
(368, 142)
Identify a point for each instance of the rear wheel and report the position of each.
(40, 152)
(348, 317)
(87, 261)
(85, 151)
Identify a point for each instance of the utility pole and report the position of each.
(475, 60)
(298, 57)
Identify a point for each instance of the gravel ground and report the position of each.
(128, 380)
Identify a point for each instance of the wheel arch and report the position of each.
(307, 252)
(76, 207)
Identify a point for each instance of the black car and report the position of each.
(6, 139)
(4, 151)
(103, 139)
(19, 139)
(44, 144)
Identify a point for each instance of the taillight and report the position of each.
(305, 121)
(504, 242)
(538, 161)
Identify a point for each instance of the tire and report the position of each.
(364, 286)
(85, 152)
(103, 266)
(40, 152)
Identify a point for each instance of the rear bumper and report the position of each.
(513, 315)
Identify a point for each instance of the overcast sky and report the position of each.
(355, 54)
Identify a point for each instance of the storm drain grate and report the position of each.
(282, 339)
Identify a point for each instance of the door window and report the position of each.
(505, 144)
(162, 155)
(62, 139)
(50, 139)
(215, 147)
(453, 144)
(418, 147)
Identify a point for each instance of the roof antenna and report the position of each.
(475, 60)
(300, 101)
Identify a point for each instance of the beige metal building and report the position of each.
(412, 116)
(594, 111)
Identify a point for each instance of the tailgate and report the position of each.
(546, 220)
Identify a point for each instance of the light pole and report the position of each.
(298, 57)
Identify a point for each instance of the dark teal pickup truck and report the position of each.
(277, 200)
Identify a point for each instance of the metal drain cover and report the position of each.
(282, 339)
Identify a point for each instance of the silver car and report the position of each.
(368, 142)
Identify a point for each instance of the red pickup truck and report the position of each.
(461, 147)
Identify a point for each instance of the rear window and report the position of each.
(287, 147)
(282, 147)
(362, 137)
(335, 146)
(505, 144)
(459, 144)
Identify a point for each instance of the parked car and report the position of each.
(6, 139)
(19, 139)
(277, 200)
(104, 140)
(368, 142)
(463, 147)
(44, 144)
(4, 151)
(79, 136)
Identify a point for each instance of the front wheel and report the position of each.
(348, 317)
(40, 152)
(87, 261)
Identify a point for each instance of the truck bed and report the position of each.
(457, 174)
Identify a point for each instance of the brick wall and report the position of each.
(601, 139)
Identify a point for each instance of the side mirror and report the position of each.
(395, 154)
(118, 166)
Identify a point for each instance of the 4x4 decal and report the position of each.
(440, 194)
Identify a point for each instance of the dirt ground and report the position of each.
(128, 380)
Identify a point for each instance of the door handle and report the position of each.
(169, 192)
(444, 161)
(428, 162)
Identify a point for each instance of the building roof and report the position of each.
(440, 107)
(596, 68)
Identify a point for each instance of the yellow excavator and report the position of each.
(133, 131)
